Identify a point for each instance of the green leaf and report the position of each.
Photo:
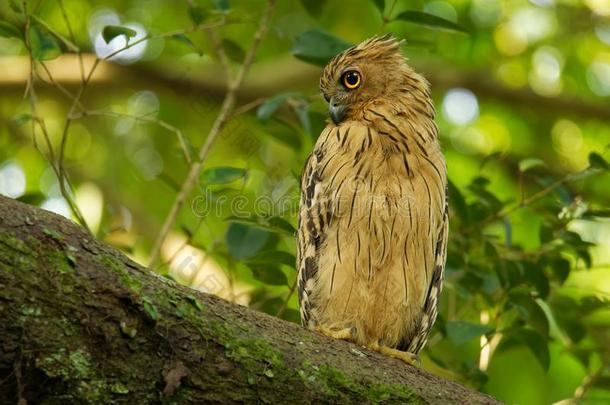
(380, 4)
(283, 133)
(44, 46)
(112, 31)
(534, 341)
(186, 40)
(272, 224)
(597, 161)
(245, 241)
(222, 175)
(313, 7)
(429, 20)
(460, 332)
(561, 269)
(281, 224)
(457, 202)
(530, 163)
(317, 46)
(222, 5)
(16, 6)
(530, 311)
(270, 106)
(233, 50)
(302, 111)
(270, 275)
(22, 119)
(546, 234)
(33, 198)
(8, 30)
(197, 14)
(273, 257)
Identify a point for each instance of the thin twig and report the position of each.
(284, 305)
(72, 38)
(223, 116)
(37, 119)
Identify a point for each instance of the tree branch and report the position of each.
(81, 323)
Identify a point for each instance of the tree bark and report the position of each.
(82, 323)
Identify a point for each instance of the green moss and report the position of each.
(18, 252)
(251, 352)
(79, 361)
(60, 262)
(126, 279)
(14, 243)
(335, 384)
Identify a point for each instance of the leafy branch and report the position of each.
(226, 109)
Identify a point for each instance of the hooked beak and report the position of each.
(336, 111)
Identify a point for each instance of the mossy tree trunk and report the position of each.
(81, 323)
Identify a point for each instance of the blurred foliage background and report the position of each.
(522, 90)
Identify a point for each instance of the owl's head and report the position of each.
(372, 70)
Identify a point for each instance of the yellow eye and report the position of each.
(351, 79)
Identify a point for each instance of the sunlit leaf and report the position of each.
(460, 332)
(245, 241)
(429, 20)
(112, 31)
(317, 46)
(530, 163)
(44, 46)
(223, 175)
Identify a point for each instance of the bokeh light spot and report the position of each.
(12, 180)
(460, 106)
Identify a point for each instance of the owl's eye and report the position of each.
(351, 79)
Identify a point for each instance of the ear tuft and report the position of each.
(382, 44)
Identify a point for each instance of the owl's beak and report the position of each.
(336, 111)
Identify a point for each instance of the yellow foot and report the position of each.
(409, 358)
(343, 334)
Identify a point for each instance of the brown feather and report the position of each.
(378, 179)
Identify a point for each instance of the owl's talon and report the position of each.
(342, 334)
(407, 357)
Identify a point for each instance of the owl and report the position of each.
(372, 233)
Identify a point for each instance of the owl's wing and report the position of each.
(313, 217)
(429, 310)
